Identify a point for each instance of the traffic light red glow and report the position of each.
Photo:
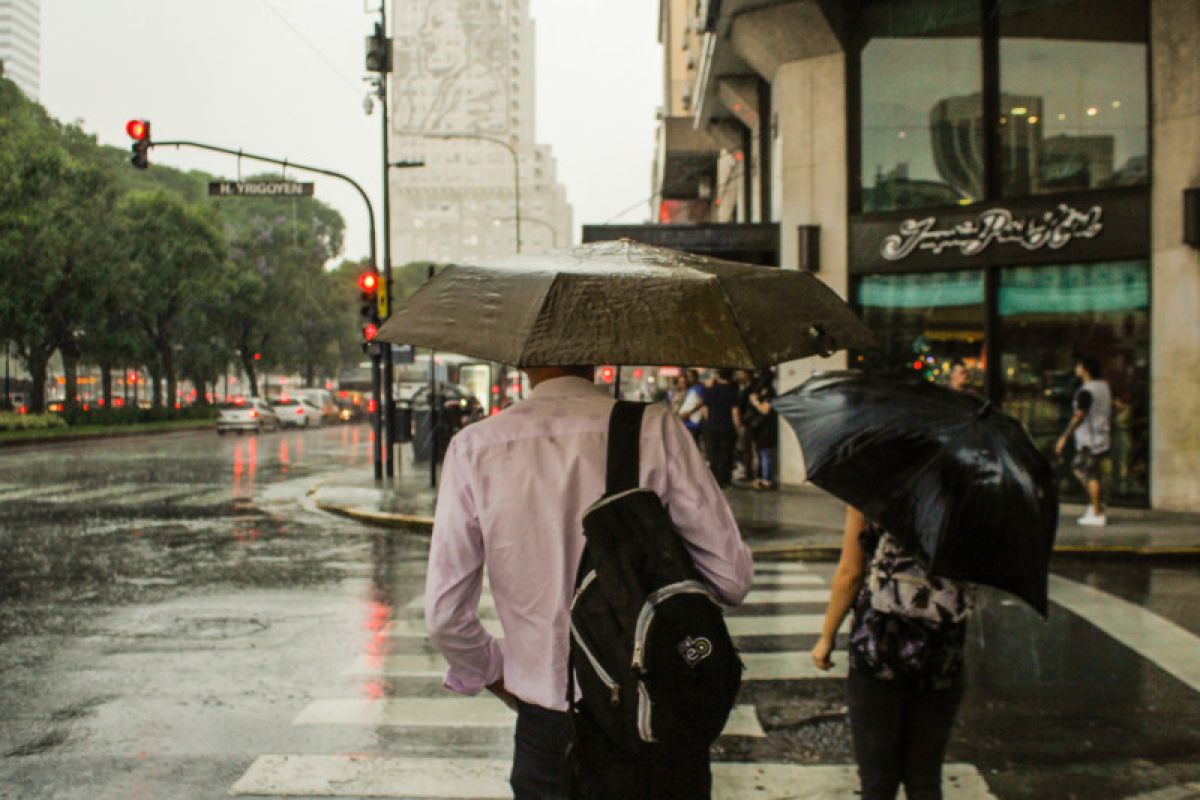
(369, 331)
(607, 374)
(136, 129)
(368, 281)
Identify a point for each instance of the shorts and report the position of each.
(1088, 465)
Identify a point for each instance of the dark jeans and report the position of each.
(541, 768)
(719, 443)
(900, 736)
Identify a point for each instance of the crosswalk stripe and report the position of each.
(457, 712)
(780, 567)
(757, 597)
(91, 494)
(487, 779)
(767, 625)
(212, 498)
(788, 579)
(788, 665)
(33, 492)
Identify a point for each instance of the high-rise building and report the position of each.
(20, 44)
(462, 99)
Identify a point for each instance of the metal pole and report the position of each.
(7, 393)
(617, 383)
(433, 410)
(516, 191)
(389, 401)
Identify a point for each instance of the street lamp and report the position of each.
(542, 222)
(512, 151)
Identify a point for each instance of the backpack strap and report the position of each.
(624, 447)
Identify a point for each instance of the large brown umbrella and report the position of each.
(625, 303)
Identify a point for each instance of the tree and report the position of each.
(173, 263)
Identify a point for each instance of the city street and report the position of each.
(177, 619)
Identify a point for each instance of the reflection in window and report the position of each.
(1051, 315)
(1073, 106)
(922, 105)
(922, 322)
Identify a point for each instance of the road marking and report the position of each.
(487, 779)
(1159, 640)
(789, 579)
(457, 712)
(152, 495)
(212, 498)
(777, 567)
(766, 625)
(757, 597)
(33, 491)
(91, 494)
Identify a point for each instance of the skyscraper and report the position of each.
(20, 43)
(464, 70)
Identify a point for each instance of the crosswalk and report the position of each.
(784, 611)
(120, 494)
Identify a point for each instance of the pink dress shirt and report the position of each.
(514, 490)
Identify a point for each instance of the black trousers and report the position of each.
(542, 767)
(720, 443)
(900, 736)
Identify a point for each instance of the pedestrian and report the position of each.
(720, 436)
(513, 495)
(906, 677)
(691, 410)
(766, 432)
(959, 375)
(1091, 428)
(743, 416)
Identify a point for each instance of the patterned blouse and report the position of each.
(908, 627)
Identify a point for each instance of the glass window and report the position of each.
(1052, 315)
(922, 104)
(1073, 105)
(922, 322)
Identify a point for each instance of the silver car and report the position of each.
(249, 414)
(298, 412)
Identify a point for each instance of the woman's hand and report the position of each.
(821, 652)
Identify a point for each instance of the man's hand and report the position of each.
(508, 698)
(821, 652)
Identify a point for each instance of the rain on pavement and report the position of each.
(177, 620)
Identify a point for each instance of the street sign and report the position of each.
(259, 189)
(382, 300)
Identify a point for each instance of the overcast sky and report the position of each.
(284, 78)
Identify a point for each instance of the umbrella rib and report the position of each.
(538, 309)
(737, 322)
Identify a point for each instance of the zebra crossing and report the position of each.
(403, 676)
(118, 495)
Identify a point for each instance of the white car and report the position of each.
(247, 414)
(296, 412)
(323, 400)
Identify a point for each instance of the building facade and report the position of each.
(997, 182)
(20, 44)
(462, 101)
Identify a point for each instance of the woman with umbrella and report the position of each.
(944, 491)
(906, 660)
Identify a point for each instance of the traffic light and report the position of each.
(139, 131)
(368, 313)
(379, 51)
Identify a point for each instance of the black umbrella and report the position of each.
(625, 303)
(943, 470)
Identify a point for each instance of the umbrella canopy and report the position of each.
(940, 469)
(625, 303)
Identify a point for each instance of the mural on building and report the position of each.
(450, 69)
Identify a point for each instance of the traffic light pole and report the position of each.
(377, 446)
(389, 400)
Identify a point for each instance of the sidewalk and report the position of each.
(802, 522)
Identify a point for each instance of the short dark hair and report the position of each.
(1090, 364)
(957, 362)
(725, 374)
(694, 374)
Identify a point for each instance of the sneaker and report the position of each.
(1094, 520)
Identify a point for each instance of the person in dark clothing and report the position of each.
(766, 432)
(743, 414)
(720, 436)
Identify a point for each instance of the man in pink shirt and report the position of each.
(513, 494)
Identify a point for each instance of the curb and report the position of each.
(408, 522)
(95, 437)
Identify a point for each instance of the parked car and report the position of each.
(323, 400)
(296, 412)
(247, 414)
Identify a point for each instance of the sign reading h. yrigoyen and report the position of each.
(259, 189)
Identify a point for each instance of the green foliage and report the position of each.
(135, 416)
(29, 422)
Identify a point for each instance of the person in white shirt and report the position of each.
(513, 494)
(1090, 425)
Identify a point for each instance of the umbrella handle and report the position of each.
(826, 344)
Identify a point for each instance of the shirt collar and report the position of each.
(566, 386)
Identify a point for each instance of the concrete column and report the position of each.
(1175, 307)
(810, 174)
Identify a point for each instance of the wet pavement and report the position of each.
(178, 618)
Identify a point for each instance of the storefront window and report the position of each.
(1050, 316)
(1073, 104)
(922, 322)
(922, 105)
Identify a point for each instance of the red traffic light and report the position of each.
(607, 374)
(370, 330)
(368, 281)
(137, 129)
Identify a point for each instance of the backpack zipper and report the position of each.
(613, 689)
(646, 615)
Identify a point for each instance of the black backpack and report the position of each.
(655, 664)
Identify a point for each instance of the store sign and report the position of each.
(1053, 229)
